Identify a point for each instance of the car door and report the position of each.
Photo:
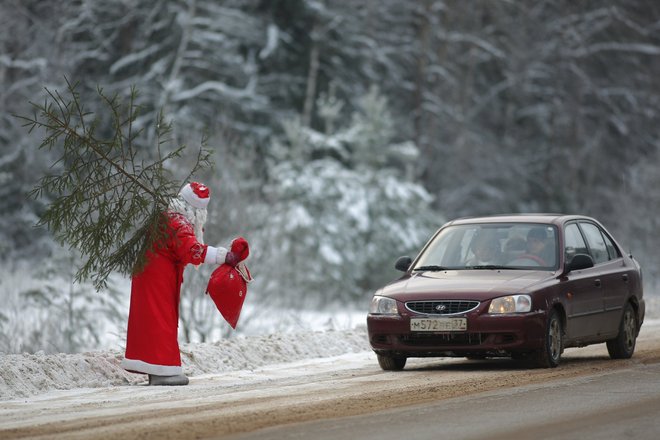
(583, 290)
(613, 276)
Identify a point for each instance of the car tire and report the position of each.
(623, 346)
(389, 363)
(553, 343)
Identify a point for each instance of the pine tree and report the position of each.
(108, 202)
(342, 205)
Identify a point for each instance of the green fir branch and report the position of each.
(107, 203)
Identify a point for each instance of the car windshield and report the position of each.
(487, 246)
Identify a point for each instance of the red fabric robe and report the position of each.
(151, 342)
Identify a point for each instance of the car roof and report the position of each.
(545, 218)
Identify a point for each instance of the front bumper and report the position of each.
(486, 335)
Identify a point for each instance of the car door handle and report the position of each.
(597, 283)
(624, 277)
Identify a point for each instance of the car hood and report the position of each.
(465, 284)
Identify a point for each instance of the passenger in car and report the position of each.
(537, 246)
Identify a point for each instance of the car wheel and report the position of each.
(550, 354)
(623, 346)
(389, 363)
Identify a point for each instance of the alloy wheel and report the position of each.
(629, 328)
(554, 336)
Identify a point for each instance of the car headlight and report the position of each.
(511, 304)
(381, 305)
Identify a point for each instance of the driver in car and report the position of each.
(486, 252)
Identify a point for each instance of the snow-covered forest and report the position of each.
(343, 134)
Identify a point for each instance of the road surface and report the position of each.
(605, 405)
(316, 397)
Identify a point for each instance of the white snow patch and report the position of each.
(24, 375)
(271, 42)
(330, 254)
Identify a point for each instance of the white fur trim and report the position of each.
(189, 196)
(211, 253)
(146, 368)
(215, 255)
(221, 255)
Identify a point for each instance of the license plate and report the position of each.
(438, 324)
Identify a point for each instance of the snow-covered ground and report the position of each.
(25, 375)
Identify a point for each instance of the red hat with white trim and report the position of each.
(196, 194)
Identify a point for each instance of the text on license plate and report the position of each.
(438, 324)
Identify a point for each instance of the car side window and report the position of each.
(611, 248)
(597, 245)
(574, 243)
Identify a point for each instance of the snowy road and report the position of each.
(603, 405)
(243, 401)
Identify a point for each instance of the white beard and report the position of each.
(196, 216)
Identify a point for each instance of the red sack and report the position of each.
(228, 285)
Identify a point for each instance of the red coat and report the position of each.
(151, 342)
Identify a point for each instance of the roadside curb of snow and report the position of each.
(24, 375)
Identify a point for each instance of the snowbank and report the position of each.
(23, 375)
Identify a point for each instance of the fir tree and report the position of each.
(108, 202)
(342, 205)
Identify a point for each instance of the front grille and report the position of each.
(445, 339)
(446, 307)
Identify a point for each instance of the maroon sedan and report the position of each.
(520, 286)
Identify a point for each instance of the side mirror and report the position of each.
(403, 264)
(579, 262)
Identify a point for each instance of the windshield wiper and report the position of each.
(488, 266)
(431, 268)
